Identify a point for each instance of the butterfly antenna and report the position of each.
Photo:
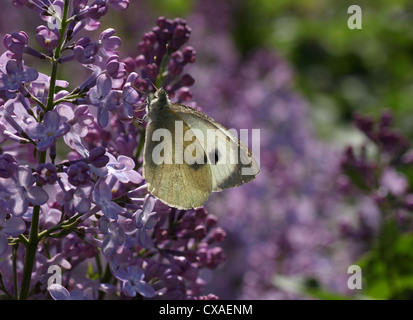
(139, 90)
(164, 62)
(162, 67)
(154, 85)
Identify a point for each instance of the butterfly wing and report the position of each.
(227, 155)
(173, 181)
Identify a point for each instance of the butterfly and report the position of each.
(188, 155)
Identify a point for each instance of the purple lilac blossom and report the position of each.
(12, 226)
(14, 75)
(72, 190)
(49, 131)
(24, 192)
(104, 98)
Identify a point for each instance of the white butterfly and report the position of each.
(188, 155)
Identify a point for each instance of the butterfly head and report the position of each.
(160, 102)
(161, 95)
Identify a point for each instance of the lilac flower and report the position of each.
(115, 68)
(58, 292)
(43, 264)
(97, 10)
(50, 219)
(52, 13)
(104, 98)
(146, 219)
(12, 123)
(15, 75)
(48, 39)
(40, 87)
(126, 143)
(78, 119)
(8, 165)
(133, 283)
(182, 267)
(77, 250)
(98, 157)
(123, 169)
(217, 235)
(75, 200)
(109, 43)
(24, 192)
(174, 33)
(210, 257)
(130, 97)
(114, 237)
(46, 173)
(78, 173)
(16, 43)
(394, 182)
(175, 288)
(119, 4)
(85, 50)
(12, 226)
(183, 94)
(176, 63)
(49, 131)
(102, 195)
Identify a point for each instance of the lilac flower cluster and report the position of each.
(377, 169)
(380, 171)
(90, 207)
(161, 61)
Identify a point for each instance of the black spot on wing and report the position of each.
(197, 165)
(214, 156)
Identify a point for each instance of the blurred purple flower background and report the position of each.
(315, 209)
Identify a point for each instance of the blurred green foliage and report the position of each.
(387, 268)
(338, 70)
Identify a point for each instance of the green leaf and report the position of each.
(91, 273)
(308, 287)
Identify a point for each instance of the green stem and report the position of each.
(3, 288)
(72, 222)
(105, 279)
(34, 238)
(38, 102)
(23, 240)
(30, 254)
(69, 98)
(57, 53)
(15, 282)
(31, 247)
